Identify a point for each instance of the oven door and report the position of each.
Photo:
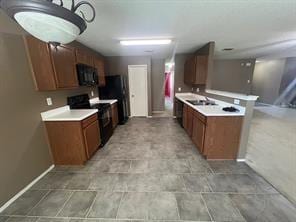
(106, 118)
(106, 127)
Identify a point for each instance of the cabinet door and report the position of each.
(92, 138)
(198, 133)
(114, 115)
(201, 70)
(189, 120)
(83, 57)
(190, 70)
(40, 61)
(99, 65)
(63, 59)
(185, 117)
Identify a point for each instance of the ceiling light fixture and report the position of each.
(48, 21)
(146, 42)
(228, 49)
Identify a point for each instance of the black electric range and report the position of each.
(104, 114)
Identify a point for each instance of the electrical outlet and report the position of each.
(49, 101)
(179, 89)
(236, 101)
(197, 90)
(92, 93)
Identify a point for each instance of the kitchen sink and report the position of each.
(202, 102)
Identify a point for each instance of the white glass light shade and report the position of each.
(47, 28)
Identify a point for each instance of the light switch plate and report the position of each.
(179, 89)
(236, 101)
(92, 93)
(49, 101)
(197, 90)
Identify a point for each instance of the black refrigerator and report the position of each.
(116, 88)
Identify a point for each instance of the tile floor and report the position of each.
(148, 171)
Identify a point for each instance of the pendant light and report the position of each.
(48, 21)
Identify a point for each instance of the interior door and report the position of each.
(138, 90)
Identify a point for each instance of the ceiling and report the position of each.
(254, 28)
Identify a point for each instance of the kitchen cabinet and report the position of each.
(91, 134)
(198, 132)
(185, 119)
(73, 142)
(63, 60)
(114, 111)
(99, 65)
(52, 67)
(84, 57)
(216, 137)
(189, 120)
(196, 70)
(222, 137)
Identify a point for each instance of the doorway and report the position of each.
(169, 89)
(138, 90)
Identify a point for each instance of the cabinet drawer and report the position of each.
(89, 120)
(200, 116)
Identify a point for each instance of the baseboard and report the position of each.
(240, 160)
(158, 111)
(2, 208)
(149, 116)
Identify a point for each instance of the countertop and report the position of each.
(97, 100)
(65, 114)
(233, 95)
(215, 110)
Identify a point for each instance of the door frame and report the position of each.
(146, 86)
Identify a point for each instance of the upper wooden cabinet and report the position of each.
(40, 61)
(52, 67)
(84, 57)
(99, 65)
(55, 67)
(63, 60)
(196, 70)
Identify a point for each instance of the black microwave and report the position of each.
(87, 75)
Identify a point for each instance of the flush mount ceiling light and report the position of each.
(146, 42)
(48, 21)
(228, 49)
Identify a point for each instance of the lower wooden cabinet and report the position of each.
(188, 119)
(185, 117)
(92, 138)
(73, 142)
(190, 112)
(114, 110)
(216, 137)
(198, 133)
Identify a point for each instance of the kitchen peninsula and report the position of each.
(215, 132)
